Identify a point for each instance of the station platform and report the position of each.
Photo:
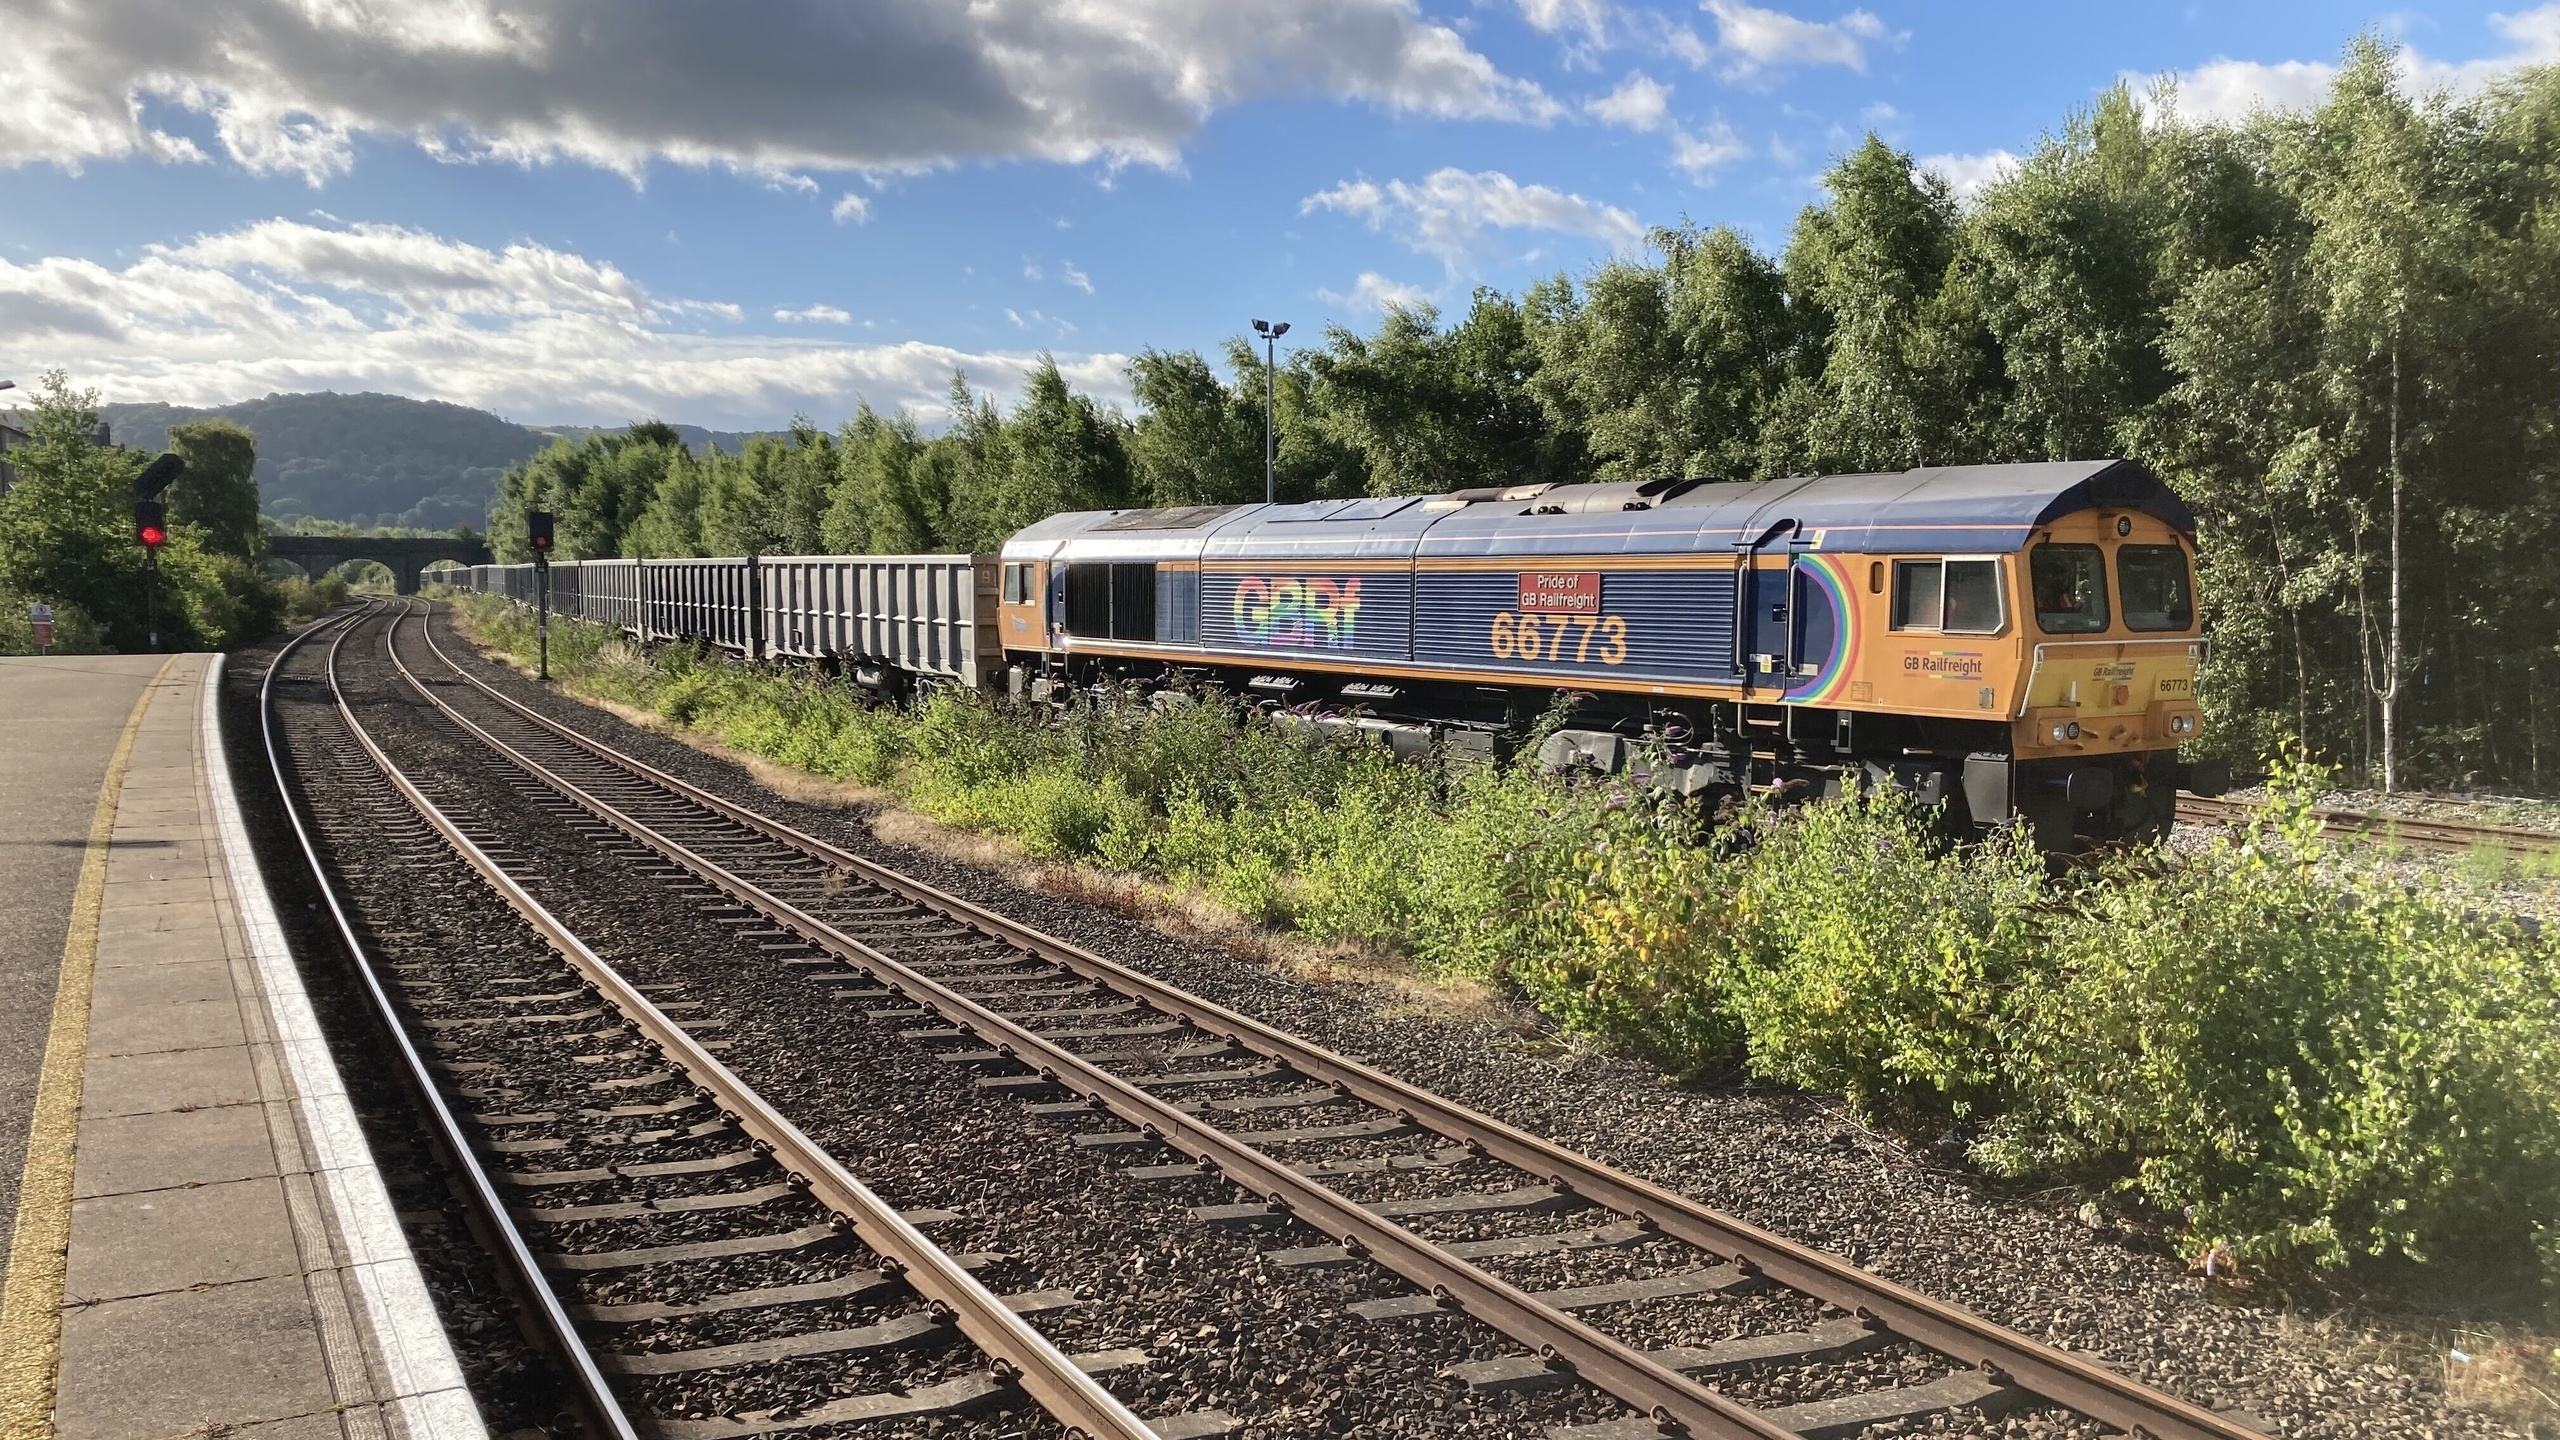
(198, 1241)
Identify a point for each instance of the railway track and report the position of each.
(618, 1144)
(1557, 1275)
(2390, 829)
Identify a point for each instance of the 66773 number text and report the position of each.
(1580, 638)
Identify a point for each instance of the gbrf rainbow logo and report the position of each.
(1317, 614)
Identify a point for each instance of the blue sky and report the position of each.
(586, 211)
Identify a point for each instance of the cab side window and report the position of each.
(1952, 597)
(2070, 583)
(1916, 590)
(1017, 584)
(2157, 592)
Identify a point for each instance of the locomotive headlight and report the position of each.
(2182, 724)
(2066, 731)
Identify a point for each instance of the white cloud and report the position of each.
(1034, 320)
(1684, 44)
(1970, 175)
(2227, 91)
(1754, 39)
(421, 273)
(814, 315)
(851, 208)
(2231, 90)
(1700, 156)
(1068, 274)
(525, 330)
(1449, 211)
(772, 90)
(1374, 292)
(1588, 18)
(1639, 103)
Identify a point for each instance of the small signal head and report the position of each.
(150, 523)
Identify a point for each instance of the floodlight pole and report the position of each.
(1270, 333)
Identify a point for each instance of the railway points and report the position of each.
(203, 1242)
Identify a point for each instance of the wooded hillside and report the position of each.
(367, 459)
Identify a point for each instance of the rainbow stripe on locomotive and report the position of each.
(2013, 640)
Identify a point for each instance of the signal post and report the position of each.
(538, 534)
(151, 528)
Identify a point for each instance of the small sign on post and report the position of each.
(40, 620)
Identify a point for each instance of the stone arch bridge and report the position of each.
(320, 554)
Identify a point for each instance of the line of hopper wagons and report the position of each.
(2010, 642)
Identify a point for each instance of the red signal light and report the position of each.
(154, 536)
(150, 523)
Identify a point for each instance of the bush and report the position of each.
(1874, 959)
(304, 598)
(1840, 946)
(2314, 1062)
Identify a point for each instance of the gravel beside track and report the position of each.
(1789, 1163)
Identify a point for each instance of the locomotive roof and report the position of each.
(1947, 508)
(1990, 497)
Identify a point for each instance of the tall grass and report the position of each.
(2298, 1061)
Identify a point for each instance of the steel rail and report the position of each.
(2066, 1379)
(605, 1413)
(2430, 834)
(1603, 1360)
(1043, 1371)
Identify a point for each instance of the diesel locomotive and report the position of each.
(2009, 641)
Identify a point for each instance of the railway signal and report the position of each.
(151, 531)
(537, 525)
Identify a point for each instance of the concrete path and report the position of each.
(230, 1261)
(58, 720)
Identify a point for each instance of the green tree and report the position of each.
(893, 492)
(1058, 451)
(1197, 441)
(1866, 268)
(2394, 252)
(1667, 369)
(66, 537)
(1428, 410)
(218, 492)
(670, 526)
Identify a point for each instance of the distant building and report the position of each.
(11, 437)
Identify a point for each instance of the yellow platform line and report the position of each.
(31, 1296)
